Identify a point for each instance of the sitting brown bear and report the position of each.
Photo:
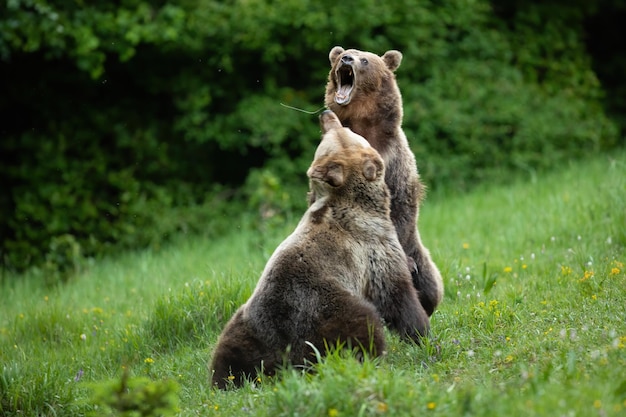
(333, 278)
(363, 92)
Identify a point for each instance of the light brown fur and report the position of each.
(372, 108)
(333, 278)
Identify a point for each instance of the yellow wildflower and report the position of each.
(382, 407)
(615, 271)
(332, 412)
(148, 360)
(586, 276)
(431, 405)
(465, 245)
(508, 269)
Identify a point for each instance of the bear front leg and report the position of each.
(424, 273)
(401, 309)
(426, 277)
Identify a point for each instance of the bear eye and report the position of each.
(364, 61)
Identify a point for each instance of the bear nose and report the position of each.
(347, 59)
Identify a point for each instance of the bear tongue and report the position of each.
(342, 96)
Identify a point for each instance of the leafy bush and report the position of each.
(126, 124)
(136, 397)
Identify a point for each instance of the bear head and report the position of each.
(354, 73)
(343, 159)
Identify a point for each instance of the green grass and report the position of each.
(533, 320)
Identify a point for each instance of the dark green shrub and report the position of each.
(136, 397)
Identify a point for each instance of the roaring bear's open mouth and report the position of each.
(345, 83)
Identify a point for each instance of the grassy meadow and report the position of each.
(533, 321)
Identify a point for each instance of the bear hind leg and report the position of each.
(239, 356)
(356, 326)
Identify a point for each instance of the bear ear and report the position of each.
(392, 59)
(334, 54)
(331, 173)
(334, 174)
(328, 121)
(372, 168)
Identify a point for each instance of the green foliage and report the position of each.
(340, 385)
(609, 61)
(128, 123)
(184, 319)
(63, 260)
(481, 108)
(86, 34)
(49, 391)
(136, 397)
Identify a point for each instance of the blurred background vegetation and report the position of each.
(126, 123)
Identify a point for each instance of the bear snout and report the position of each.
(347, 59)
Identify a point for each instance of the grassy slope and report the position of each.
(533, 322)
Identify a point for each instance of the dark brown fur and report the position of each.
(373, 109)
(331, 277)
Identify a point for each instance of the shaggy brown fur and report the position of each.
(363, 92)
(331, 277)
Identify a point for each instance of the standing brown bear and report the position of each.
(333, 278)
(363, 92)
